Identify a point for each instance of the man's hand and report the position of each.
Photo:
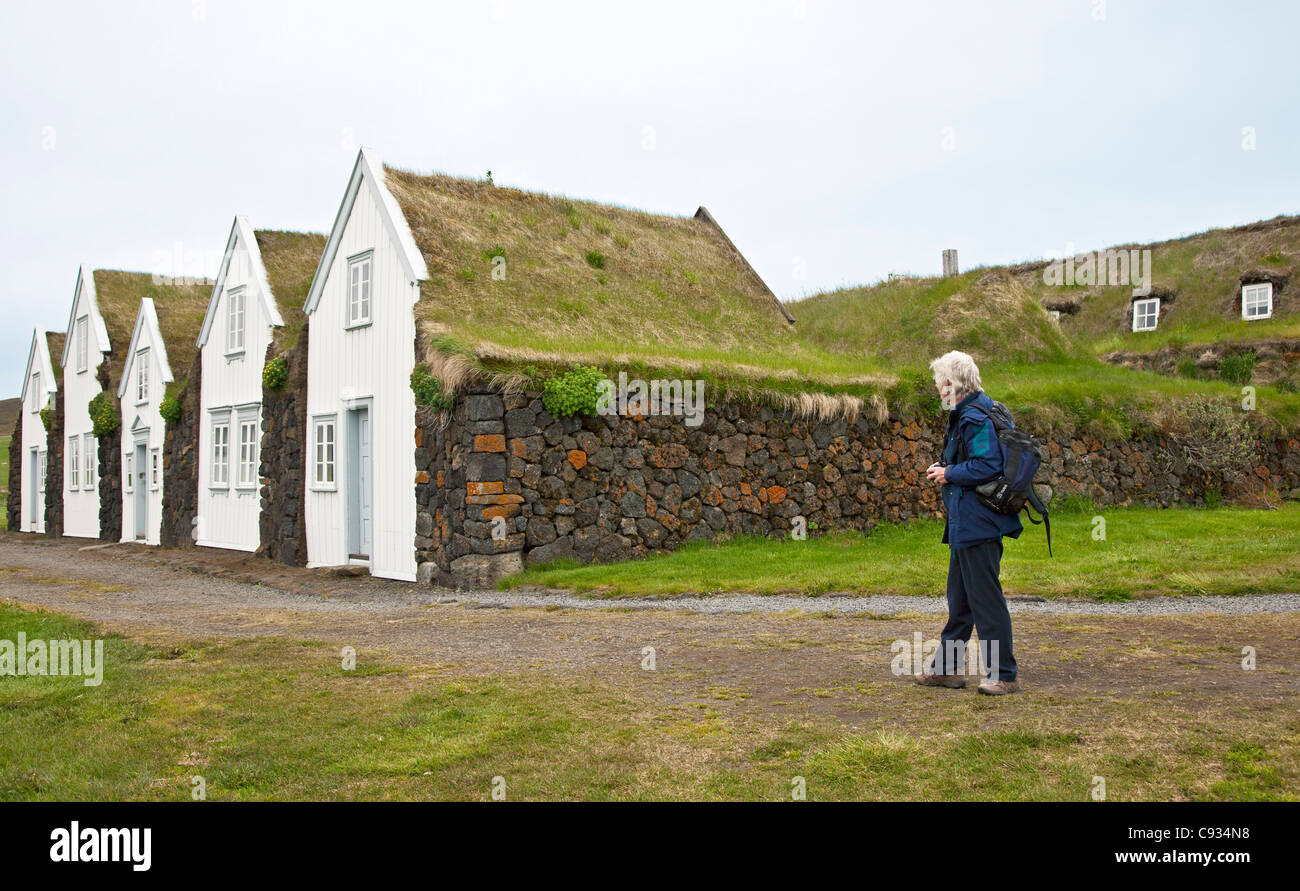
(936, 473)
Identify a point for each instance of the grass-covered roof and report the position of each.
(181, 305)
(54, 343)
(290, 260)
(579, 281)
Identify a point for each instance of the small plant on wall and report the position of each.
(276, 374)
(47, 418)
(574, 392)
(170, 409)
(104, 416)
(428, 390)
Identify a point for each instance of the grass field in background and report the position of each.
(1146, 552)
(280, 719)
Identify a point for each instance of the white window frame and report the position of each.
(220, 450)
(128, 471)
(1155, 315)
(89, 455)
(236, 312)
(324, 454)
(362, 296)
(246, 420)
(74, 463)
(155, 469)
(42, 458)
(36, 390)
(142, 376)
(1266, 288)
(83, 343)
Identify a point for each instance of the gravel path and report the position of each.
(889, 604)
(779, 651)
(198, 576)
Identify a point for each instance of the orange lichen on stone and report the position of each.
(490, 442)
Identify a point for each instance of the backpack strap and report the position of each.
(1045, 522)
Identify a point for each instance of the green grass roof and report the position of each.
(54, 342)
(594, 283)
(180, 307)
(290, 260)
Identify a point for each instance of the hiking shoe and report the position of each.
(990, 687)
(951, 681)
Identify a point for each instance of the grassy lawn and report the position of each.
(279, 719)
(1146, 552)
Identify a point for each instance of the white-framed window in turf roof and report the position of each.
(360, 273)
(1257, 301)
(35, 390)
(235, 320)
(324, 444)
(1146, 313)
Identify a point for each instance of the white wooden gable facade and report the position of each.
(85, 348)
(360, 473)
(145, 377)
(236, 334)
(39, 389)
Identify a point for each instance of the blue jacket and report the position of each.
(968, 520)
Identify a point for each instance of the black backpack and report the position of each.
(1014, 490)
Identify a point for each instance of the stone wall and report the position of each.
(180, 455)
(54, 469)
(13, 504)
(1278, 359)
(283, 456)
(110, 468)
(613, 488)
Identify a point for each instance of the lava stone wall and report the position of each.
(613, 488)
(180, 454)
(110, 468)
(284, 462)
(54, 469)
(13, 505)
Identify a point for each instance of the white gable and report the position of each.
(146, 327)
(369, 169)
(241, 235)
(38, 360)
(85, 292)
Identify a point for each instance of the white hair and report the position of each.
(959, 368)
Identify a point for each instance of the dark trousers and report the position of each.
(975, 600)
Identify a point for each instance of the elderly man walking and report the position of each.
(973, 533)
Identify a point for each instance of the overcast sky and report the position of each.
(835, 142)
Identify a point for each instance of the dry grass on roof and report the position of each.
(290, 260)
(54, 342)
(988, 313)
(181, 305)
(582, 277)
